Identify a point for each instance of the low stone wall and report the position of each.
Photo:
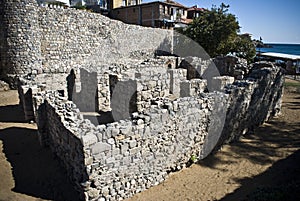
(116, 160)
(232, 66)
(125, 157)
(252, 102)
(54, 119)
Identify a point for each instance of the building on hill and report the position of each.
(194, 12)
(108, 4)
(167, 14)
(103, 6)
(123, 3)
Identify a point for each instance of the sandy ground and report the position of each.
(28, 172)
(264, 165)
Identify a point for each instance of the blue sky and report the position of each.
(275, 21)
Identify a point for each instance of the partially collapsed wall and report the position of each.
(119, 117)
(128, 155)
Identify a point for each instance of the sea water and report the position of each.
(281, 48)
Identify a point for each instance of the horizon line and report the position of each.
(283, 43)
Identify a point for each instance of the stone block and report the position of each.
(124, 148)
(105, 191)
(110, 160)
(88, 161)
(111, 141)
(125, 130)
(132, 144)
(185, 89)
(89, 139)
(218, 83)
(100, 147)
(93, 193)
(115, 132)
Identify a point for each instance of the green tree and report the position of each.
(216, 31)
(245, 47)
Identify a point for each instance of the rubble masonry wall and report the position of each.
(119, 159)
(125, 157)
(35, 40)
(128, 156)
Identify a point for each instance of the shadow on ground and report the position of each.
(35, 170)
(281, 182)
(260, 145)
(12, 113)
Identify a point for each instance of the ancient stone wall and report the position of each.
(252, 102)
(54, 124)
(38, 40)
(125, 157)
(20, 37)
(165, 118)
(73, 38)
(130, 155)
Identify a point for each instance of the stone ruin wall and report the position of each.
(19, 37)
(125, 157)
(252, 101)
(41, 45)
(119, 159)
(36, 40)
(173, 117)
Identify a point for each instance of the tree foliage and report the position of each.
(244, 47)
(216, 31)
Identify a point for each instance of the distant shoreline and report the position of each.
(293, 49)
(265, 45)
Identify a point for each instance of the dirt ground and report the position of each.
(264, 165)
(28, 172)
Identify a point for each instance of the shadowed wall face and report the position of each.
(35, 172)
(86, 98)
